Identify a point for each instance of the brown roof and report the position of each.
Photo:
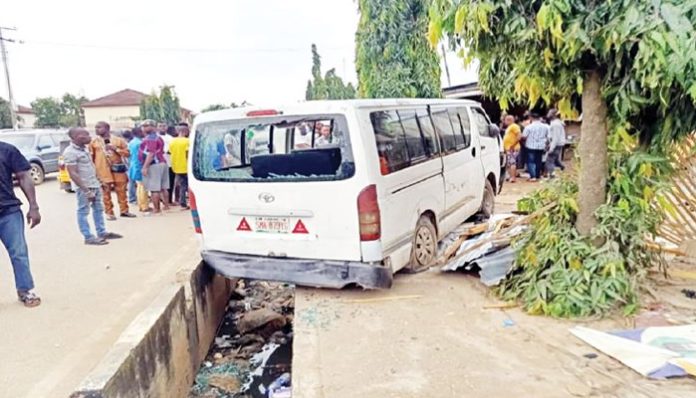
(125, 97)
(24, 109)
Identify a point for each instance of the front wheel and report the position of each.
(424, 246)
(488, 203)
(37, 173)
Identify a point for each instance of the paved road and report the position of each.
(90, 294)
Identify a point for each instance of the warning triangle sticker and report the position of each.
(244, 225)
(300, 228)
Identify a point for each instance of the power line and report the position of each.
(174, 49)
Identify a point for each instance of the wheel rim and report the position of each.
(425, 246)
(35, 174)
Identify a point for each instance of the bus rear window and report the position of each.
(273, 149)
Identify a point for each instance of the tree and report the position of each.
(49, 112)
(328, 87)
(171, 110)
(71, 110)
(393, 57)
(163, 107)
(632, 62)
(5, 114)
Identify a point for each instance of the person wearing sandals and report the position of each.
(12, 221)
(110, 154)
(84, 180)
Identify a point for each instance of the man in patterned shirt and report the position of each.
(536, 139)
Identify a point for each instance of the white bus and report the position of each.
(337, 193)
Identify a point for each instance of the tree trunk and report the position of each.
(594, 165)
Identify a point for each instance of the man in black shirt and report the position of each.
(12, 221)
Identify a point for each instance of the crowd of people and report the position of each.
(535, 143)
(146, 167)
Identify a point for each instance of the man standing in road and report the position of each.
(83, 176)
(155, 170)
(536, 137)
(12, 221)
(179, 148)
(109, 153)
(557, 141)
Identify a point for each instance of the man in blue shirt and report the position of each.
(135, 174)
(12, 221)
(536, 137)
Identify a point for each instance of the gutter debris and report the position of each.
(252, 352)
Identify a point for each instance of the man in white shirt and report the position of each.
(557, 140)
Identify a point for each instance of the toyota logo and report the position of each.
(266, 197)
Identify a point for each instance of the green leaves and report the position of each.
(394, 52)
(676, 20)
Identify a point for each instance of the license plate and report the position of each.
(274, 225)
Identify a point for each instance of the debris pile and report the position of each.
(252, 352)
(485, 246)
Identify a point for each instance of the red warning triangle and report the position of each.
(244, 225)
(300, 228)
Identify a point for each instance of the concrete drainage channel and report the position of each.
(206, 336)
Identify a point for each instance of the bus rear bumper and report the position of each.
(318, 273)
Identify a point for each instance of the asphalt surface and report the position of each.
(90, 294)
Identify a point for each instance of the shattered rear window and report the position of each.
(274, 149)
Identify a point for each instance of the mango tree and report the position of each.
(633, 64)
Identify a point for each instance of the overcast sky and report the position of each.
(211, 51)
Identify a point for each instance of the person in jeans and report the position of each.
(109, 154)
(12, 220)
(83, 176)
(557, 140)
(155, 169)
(536, 137)
(178, 149)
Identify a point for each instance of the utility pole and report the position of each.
(13, 107)
(444, 58)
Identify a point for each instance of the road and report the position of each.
(90, 294)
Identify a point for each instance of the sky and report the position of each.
(212, 51)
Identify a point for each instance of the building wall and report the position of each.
(119, 117)
(26, 120)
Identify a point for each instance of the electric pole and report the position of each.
(13, 107)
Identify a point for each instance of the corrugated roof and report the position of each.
(126, 97)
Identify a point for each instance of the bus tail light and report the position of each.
(369, 215)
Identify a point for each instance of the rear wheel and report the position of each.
(424, 246)
(488, 203)
(37, 173)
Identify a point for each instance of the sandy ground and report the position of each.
(430, 336)
(90, 294)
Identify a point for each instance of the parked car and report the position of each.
(340, 192)
(40, 147)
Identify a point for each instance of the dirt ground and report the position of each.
(431, 336)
